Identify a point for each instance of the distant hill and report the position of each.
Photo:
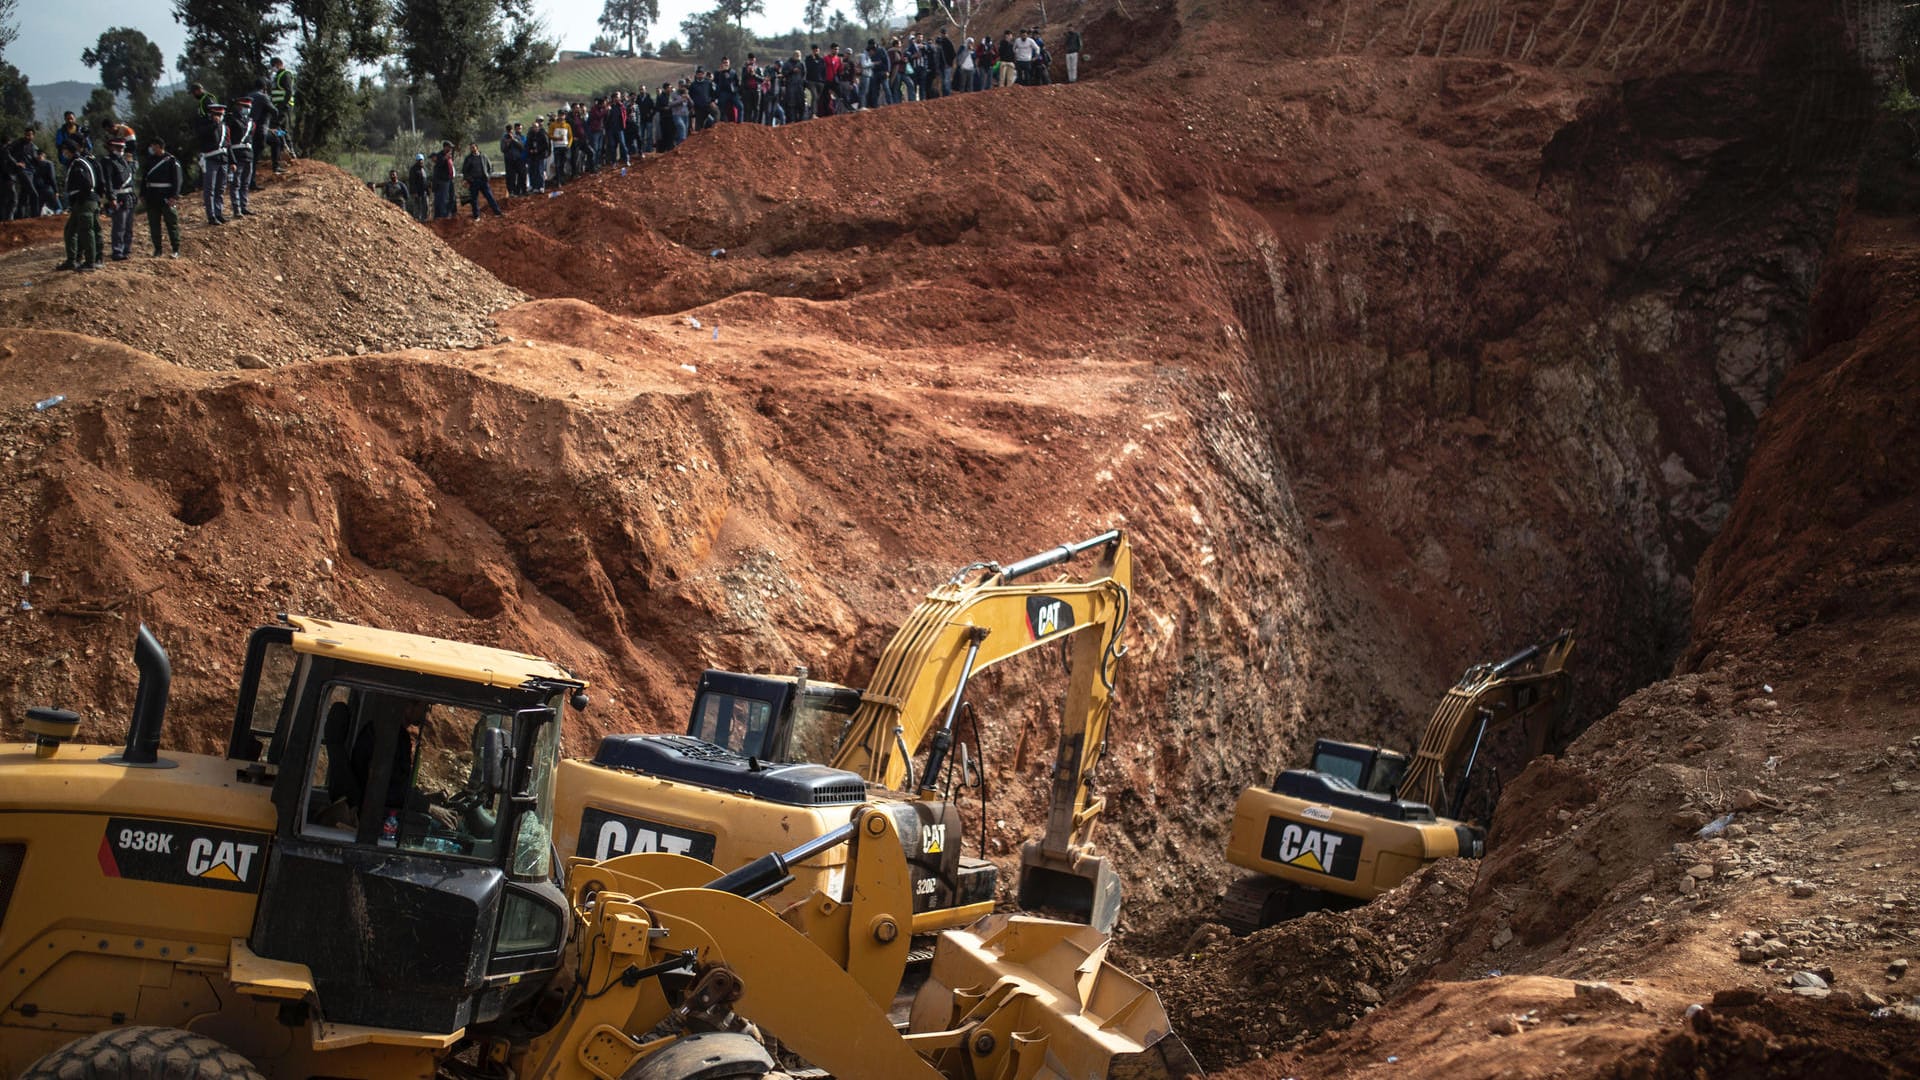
(50, 100)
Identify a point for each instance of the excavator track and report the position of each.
(1244, 909)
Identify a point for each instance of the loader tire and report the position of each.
(142, 1053)
(712, 1055)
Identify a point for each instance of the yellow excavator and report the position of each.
(1361, 818)
(772, 761)
(364, 887)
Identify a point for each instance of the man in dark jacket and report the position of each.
(17, 199)
(949, 56)
(1073, 54)
(642, 125)
(477, 171)
(118, 170)
(663, 115)
(417, 188)
(166, 178)
(726, 90)
(538, 149)
(83, 213)
(240, 140)
(701, 91)
(214, 151)
(816, 69)
(443, 170)
(513, 156)
(264, 121)
(46, 187)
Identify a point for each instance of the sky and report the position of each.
(53, 35)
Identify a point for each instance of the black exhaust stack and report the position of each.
(149, 705)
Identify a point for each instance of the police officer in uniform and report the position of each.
(83, 214)
(240, 133)
(213, 160)
(118, 167)
(166, 178)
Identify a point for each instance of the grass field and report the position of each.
(580, 80)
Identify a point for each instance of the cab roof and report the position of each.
(425, 655)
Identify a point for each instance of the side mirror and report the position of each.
(496, 754)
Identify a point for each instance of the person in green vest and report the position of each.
(280, 93)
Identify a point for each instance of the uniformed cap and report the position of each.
(216, 107)
(116, 144)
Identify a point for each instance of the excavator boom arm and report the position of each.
(1526, 686)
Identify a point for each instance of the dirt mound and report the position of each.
(322, 267)
(1234, 999)
(1753, 1037)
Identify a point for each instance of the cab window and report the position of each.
(403, 772)
(737, 723)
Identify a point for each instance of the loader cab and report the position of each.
(778, 718)
(412, 869)
(1368, 768)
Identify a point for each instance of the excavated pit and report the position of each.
(1453, 327)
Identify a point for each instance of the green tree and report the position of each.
(630, 19)
(129, 64)
(9, 29)
(228, 41)
(331, 36)
(738, 10)
(100, 113)
(874, 15)
(16, 100)
(481, 54)
(710, 36)
(816, 16)
(171, 118)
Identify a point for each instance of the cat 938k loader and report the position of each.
(769, 761)
(1361, 818)
(364, 886)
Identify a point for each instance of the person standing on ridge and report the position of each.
(213, 160)
(443, 205)
(417, 188)
(478, 172)
(165, 179)
(280, 93)
(240, 137)
(118, 168)
(1073, 54)
(83, 214)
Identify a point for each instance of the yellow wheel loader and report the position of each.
(770, 761)
(364, 887)
(1360, 819)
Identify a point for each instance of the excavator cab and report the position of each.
(774, 718)
(1370, 768)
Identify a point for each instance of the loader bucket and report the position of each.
(1082, 888)
(1039, 999)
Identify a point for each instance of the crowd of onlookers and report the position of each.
(539, 155)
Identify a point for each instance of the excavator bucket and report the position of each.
(1084, 887)
(1039, 1001)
